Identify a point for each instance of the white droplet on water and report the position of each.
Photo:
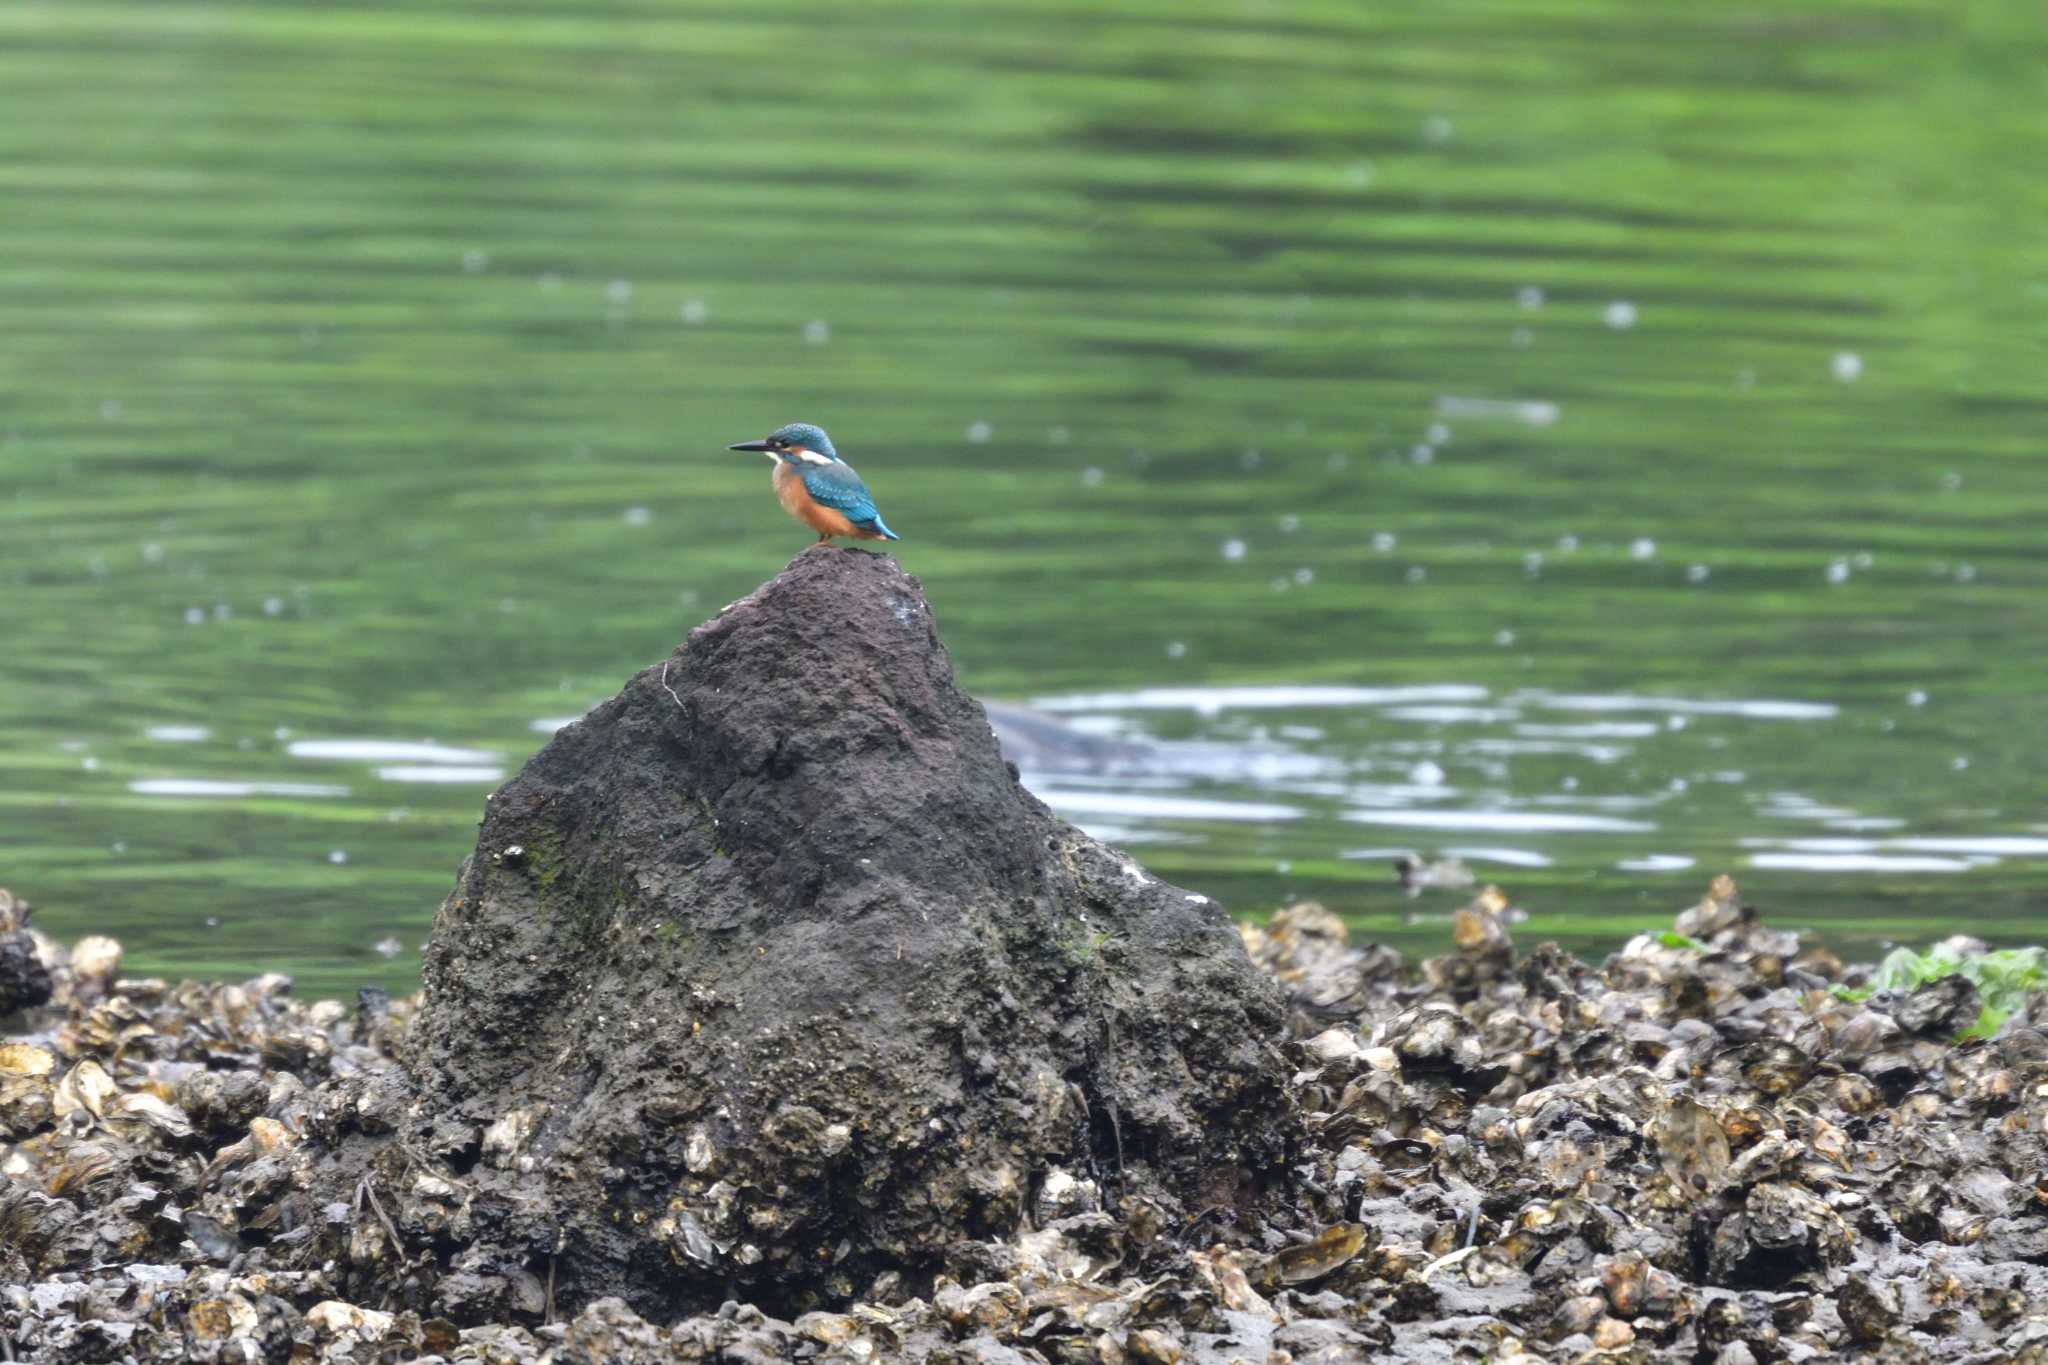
(817, 332)
(1426, 774)
(474, 261)
(1620, 315)
(1234, 550)
(637, 516)
(1384, 541)
(619, 291)
(1642, 547)
(1838, 571)
(337, 856)
(695, 311)
(1847, 366)
(979, 432)
(1091, 477)
(1530, 297)
(1696, 573)
(1916, 698)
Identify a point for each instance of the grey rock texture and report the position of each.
(24, 980)
(767, 977)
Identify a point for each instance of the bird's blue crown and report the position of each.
(805, 435)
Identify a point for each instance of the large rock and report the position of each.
(767, 976)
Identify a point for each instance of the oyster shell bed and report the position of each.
(1696, 1153)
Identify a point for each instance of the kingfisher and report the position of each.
(817, 487)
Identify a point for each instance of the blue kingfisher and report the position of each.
(817, 487)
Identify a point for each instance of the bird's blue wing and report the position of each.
(836, 486)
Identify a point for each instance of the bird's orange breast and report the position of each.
(798, 502)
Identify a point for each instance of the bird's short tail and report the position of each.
(881, 528)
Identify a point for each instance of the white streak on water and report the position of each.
(386, 751)
(201, 786)
(178, 734)
(1211, 701)
(1599, 729)
(1132, 805)
(1534, 413)
(1990, 845)
(1518, 821)
(441, 773)
(1754, 710)
(1985, 846)
(1656, 862)
(1857, 862)
(1512, 857)
(1598, 753)
(1452, 715)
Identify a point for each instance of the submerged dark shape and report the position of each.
(790, 983)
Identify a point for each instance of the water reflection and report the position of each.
(385, 751)
(1505, 821)
(1166, 761)
(456, 773)
(220, 788)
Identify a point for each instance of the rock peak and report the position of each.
(771, 956)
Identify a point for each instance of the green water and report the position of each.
(365, 373)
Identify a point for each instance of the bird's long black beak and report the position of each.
(759, 447)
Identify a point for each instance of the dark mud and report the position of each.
(772, 1020)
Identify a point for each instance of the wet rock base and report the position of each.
(1697, 1153)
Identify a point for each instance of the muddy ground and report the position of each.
(1684, 1153)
